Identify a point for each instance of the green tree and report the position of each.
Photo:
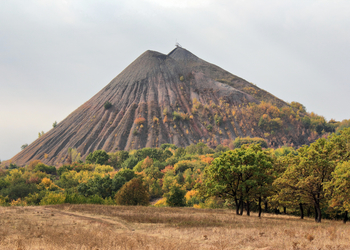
(339, 188)
(102, 186)
(98, 157)
(45, 168)
(128, 174)
(118, 158)
(308, 172)
(130, 163)
(242, 175)
(54, 124)
(176, 196)
(24, 146)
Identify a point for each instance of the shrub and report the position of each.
(238, 142)
(176, 116)
(218, 119)
(168, 145)
(47, 184)
(155, 119)
(184, 117)
(13, 166)
(133, 193)
(33, 199)
(209, 128)
(96, 199)
(103, 169)
(161, 203)
(18, 202)
(140, 120)
(107, 105)
(74, 198)
(3, 200)
(33, 164)
(53, 198)
(18, 190)
(165, 120)
(192, 198)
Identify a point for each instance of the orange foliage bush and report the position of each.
(165, 119)
(139, 120)
(206, 159)
(33, 164)
(167, 168)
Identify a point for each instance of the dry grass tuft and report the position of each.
(310, 237)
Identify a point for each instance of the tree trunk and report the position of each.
(308, 212)
(248, 208)
(345, 217)
(259, 207)
(242, 204)
(238, 204)
(318, 215)
(315, 214)
(266, 208)
(284, 210)
(301, 211)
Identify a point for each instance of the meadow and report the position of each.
(88, 226)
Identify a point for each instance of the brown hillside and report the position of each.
(176, 98)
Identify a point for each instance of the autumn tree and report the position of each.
(339, 188)
(312, 168)
(133, 193)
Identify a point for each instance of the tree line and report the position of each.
(312, 180)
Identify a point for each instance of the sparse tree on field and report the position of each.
(242, 175)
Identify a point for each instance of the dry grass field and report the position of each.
(121, 227)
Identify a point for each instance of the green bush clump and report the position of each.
(238, 142)
(209, 127)
(107, 105)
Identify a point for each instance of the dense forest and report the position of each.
(244, 174)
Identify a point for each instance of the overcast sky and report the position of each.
(55, 55)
